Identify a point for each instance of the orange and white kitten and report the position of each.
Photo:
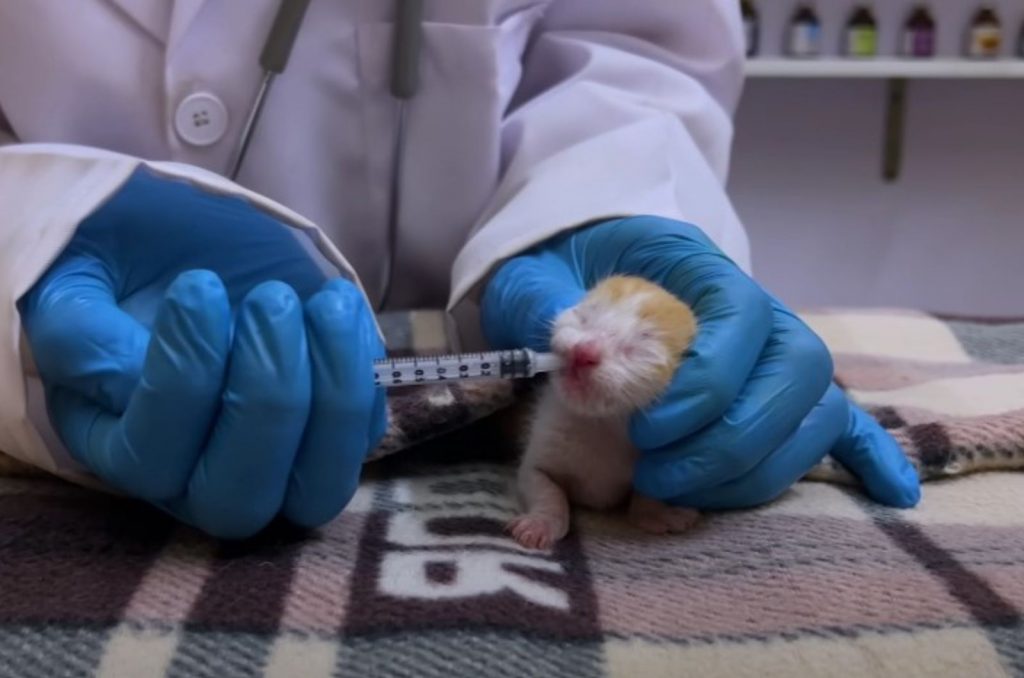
(621, 346)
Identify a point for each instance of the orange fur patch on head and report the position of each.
(617, 287)
(670, 317)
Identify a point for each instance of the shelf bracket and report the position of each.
(895, 109)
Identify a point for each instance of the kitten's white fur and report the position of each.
(632, 353)
(578, 449)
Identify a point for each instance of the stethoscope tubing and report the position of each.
(277, 49)
(406, 47)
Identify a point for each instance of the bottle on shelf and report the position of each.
(861, 34)
(985, 36)
(803, 39)
(1020, 42)
(750, 26)
(919, 34)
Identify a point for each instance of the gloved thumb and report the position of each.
(523, 298)
(870, 453)
(80, 340)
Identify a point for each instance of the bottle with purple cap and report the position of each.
(919, 33)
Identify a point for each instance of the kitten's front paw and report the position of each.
(654, 517)
(535, 531)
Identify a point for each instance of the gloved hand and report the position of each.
(195, 356)
(753, 406)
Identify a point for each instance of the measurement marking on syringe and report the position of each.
(512, 364)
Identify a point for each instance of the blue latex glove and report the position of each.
(753, 406)
(195, 356)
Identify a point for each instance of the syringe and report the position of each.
(513, 364)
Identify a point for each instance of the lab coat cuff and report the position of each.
(46, 190)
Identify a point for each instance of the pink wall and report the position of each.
(826, 229)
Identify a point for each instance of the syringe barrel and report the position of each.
(515, 364)
(510, 364)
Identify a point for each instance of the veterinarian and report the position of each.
(189, 269)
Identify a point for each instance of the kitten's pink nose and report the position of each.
(584, 356)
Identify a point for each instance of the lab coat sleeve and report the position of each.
(622, 109)
(46, 190)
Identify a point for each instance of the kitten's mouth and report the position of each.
(580, 362)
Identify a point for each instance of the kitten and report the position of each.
(621, 345)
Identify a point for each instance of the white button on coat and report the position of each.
(201, 119)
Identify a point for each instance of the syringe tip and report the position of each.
(546, 362)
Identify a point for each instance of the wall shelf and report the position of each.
(774, 67)
(896, 72)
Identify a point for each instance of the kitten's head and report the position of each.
(621, 345)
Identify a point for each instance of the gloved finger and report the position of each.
(343, 344)
(790, 378)
(734, 321)
(871, 454)
(784, 466)
(150, 450)
(523, 299)
(239, 482)
(80, 339)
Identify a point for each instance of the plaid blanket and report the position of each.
(417, 579)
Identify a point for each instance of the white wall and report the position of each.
(948, 235)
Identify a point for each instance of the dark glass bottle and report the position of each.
(804, 36)
(985, 36)
(919, 33)
(861, 36)
(750, 26)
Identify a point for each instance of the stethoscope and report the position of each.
(406, 39)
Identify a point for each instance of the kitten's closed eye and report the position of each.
(637, 328)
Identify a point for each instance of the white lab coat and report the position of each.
(534, 116)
